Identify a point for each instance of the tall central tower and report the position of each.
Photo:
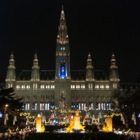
(62, 74)
(62, 50)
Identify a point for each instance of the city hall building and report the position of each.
(44, 90)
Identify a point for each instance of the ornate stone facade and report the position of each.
(43, 90)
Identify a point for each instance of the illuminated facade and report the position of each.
(42, 89)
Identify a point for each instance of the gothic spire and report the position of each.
(89, 69)
(114, 76)
(11, 62)
(62, 37)
(11, 75)
(113, 62)
(35, 62)
(35, 69)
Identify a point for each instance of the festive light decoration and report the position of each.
(28, 116)
(75, 124)
(113, 114)
(108, 125)
(39, 126)
(38, 123)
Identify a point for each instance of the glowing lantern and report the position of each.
(38, 123)
(108, 126)
(75, 124)
(42, 128)
(71, 121)
(109, 123)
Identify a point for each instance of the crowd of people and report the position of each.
(24, 134)
(16, 134)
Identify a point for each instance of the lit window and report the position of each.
(114, 85)
(90, 86)
(99, 106)
(102, 86)
(34, 106)
(91, 106)
(23, 86)
(47, 106)
(109, 106)
(27, 106)
(102, 106)
(28, 86)
(97, 86)
(107, 86)
(82, 106)
(42, 86)
(10, 85)
(62, 71)
(82, 86)
(48, 86)
(73, 86)
(62, 48)
(78, 86)
(75, 106)
(34, 86)
(52, 86)
(41, 107)
(18, 86)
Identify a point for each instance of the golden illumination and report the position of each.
(108, 125)
(42, 128)
(38, 123)
(75, 123)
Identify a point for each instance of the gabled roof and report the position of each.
(50, 75)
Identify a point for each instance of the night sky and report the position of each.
(99, 27)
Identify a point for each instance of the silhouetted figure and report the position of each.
(95, 128)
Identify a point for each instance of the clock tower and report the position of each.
(62, 74)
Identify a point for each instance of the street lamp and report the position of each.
(5, 114)
(6, 105)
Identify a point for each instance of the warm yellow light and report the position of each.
(75, 123)
(108, 126)
(38, 123)
(6, 105)
(42, 128)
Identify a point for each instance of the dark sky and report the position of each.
(101, 27)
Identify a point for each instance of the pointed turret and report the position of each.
(35, 69)
(11, 74)
(62, 50)
(114, 76)
(89, 69)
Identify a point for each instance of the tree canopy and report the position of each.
(8, 97)
(127, 102)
